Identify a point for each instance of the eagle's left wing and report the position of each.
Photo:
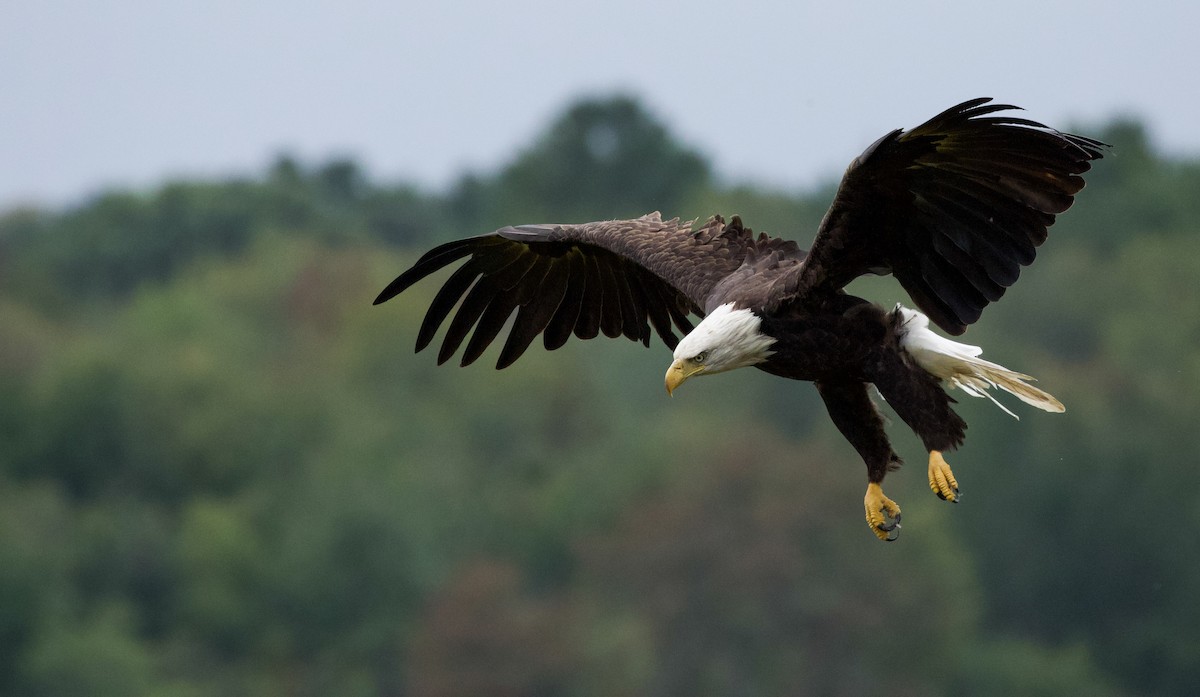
(953, 208)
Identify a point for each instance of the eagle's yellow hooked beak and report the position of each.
(679, 371)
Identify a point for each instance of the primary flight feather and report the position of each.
(952, 208)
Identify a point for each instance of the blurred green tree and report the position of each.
(603, 158)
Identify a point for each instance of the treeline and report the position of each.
(223, 472)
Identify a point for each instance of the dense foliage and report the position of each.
(222, 472)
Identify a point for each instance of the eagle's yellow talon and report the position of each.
(941, 479)
(883, 515)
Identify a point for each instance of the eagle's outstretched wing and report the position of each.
(613, 277)
(953, 208)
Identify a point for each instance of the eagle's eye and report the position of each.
(699, 357)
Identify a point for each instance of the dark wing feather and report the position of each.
(611, 319)
(588, 326)
(566, 315)
(619, 277)
(953, 208)
(533, 318)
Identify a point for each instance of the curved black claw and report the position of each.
(891, 526)
(957, 495)
(889, 523)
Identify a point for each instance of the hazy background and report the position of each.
(223, 472)
(124, 93)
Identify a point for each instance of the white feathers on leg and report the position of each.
(960, 365)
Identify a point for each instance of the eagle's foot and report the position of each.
(941, 479)
(883, 515)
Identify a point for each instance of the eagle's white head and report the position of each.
(724, 340)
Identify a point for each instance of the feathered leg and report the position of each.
(856, 416)
(919, 400)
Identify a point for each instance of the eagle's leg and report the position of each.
(856, 416)
(920, 402)
(941, 479)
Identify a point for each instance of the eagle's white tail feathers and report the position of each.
(961, 366)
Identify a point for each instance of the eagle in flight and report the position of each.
(952, 208)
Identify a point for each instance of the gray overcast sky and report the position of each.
(99, 93)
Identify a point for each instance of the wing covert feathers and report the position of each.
(953, 208)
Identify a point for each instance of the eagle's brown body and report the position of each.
(953, 209)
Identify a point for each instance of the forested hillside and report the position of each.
(223, 472)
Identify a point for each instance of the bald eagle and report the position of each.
(952, 209)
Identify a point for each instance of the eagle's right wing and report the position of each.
(613, 277)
